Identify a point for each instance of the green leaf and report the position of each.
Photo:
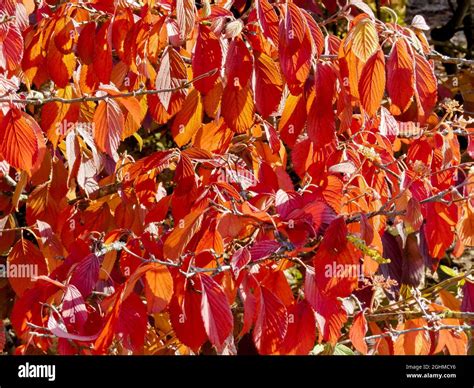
(343, 350)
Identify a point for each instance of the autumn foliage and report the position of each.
(229, 177)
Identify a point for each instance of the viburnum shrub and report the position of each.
(229, 177)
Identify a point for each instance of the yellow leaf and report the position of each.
(365, 39)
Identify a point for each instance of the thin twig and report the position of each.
(376, 317)
(135, 93)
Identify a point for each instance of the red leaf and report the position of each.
(263, 249)
(268, 20)
(321, 118)
(86, 275)
(268, 84)
(277, 283)
(426, 87)
(74, 311)
(271, 324)
(400, 77)
(238, 64)
(240, 259)
(295, 48)
(3, 339)
(330, 315)
(316, 33)
(103, 53)
(207, 56)
(131, 323)
(247, 292)
(185, 315)
(301, 335)
(85, 49)
(440, 220)
(215, 311)
(468, 297)
(11, 46)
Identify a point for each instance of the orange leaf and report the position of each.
(188, 120)
(212, 100)
(182, 234)
(238, 108)
(108, 127)
(465, 227)
(292, 118)
(60, 66)
(25, 262)
(358, 331)
(65, 35)
(213, 137)
(414, 342)
(19, 143)
(268, 84)
(455, 342)
(135, 109)
(57, 119)
(372, 83)
(158, 288)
